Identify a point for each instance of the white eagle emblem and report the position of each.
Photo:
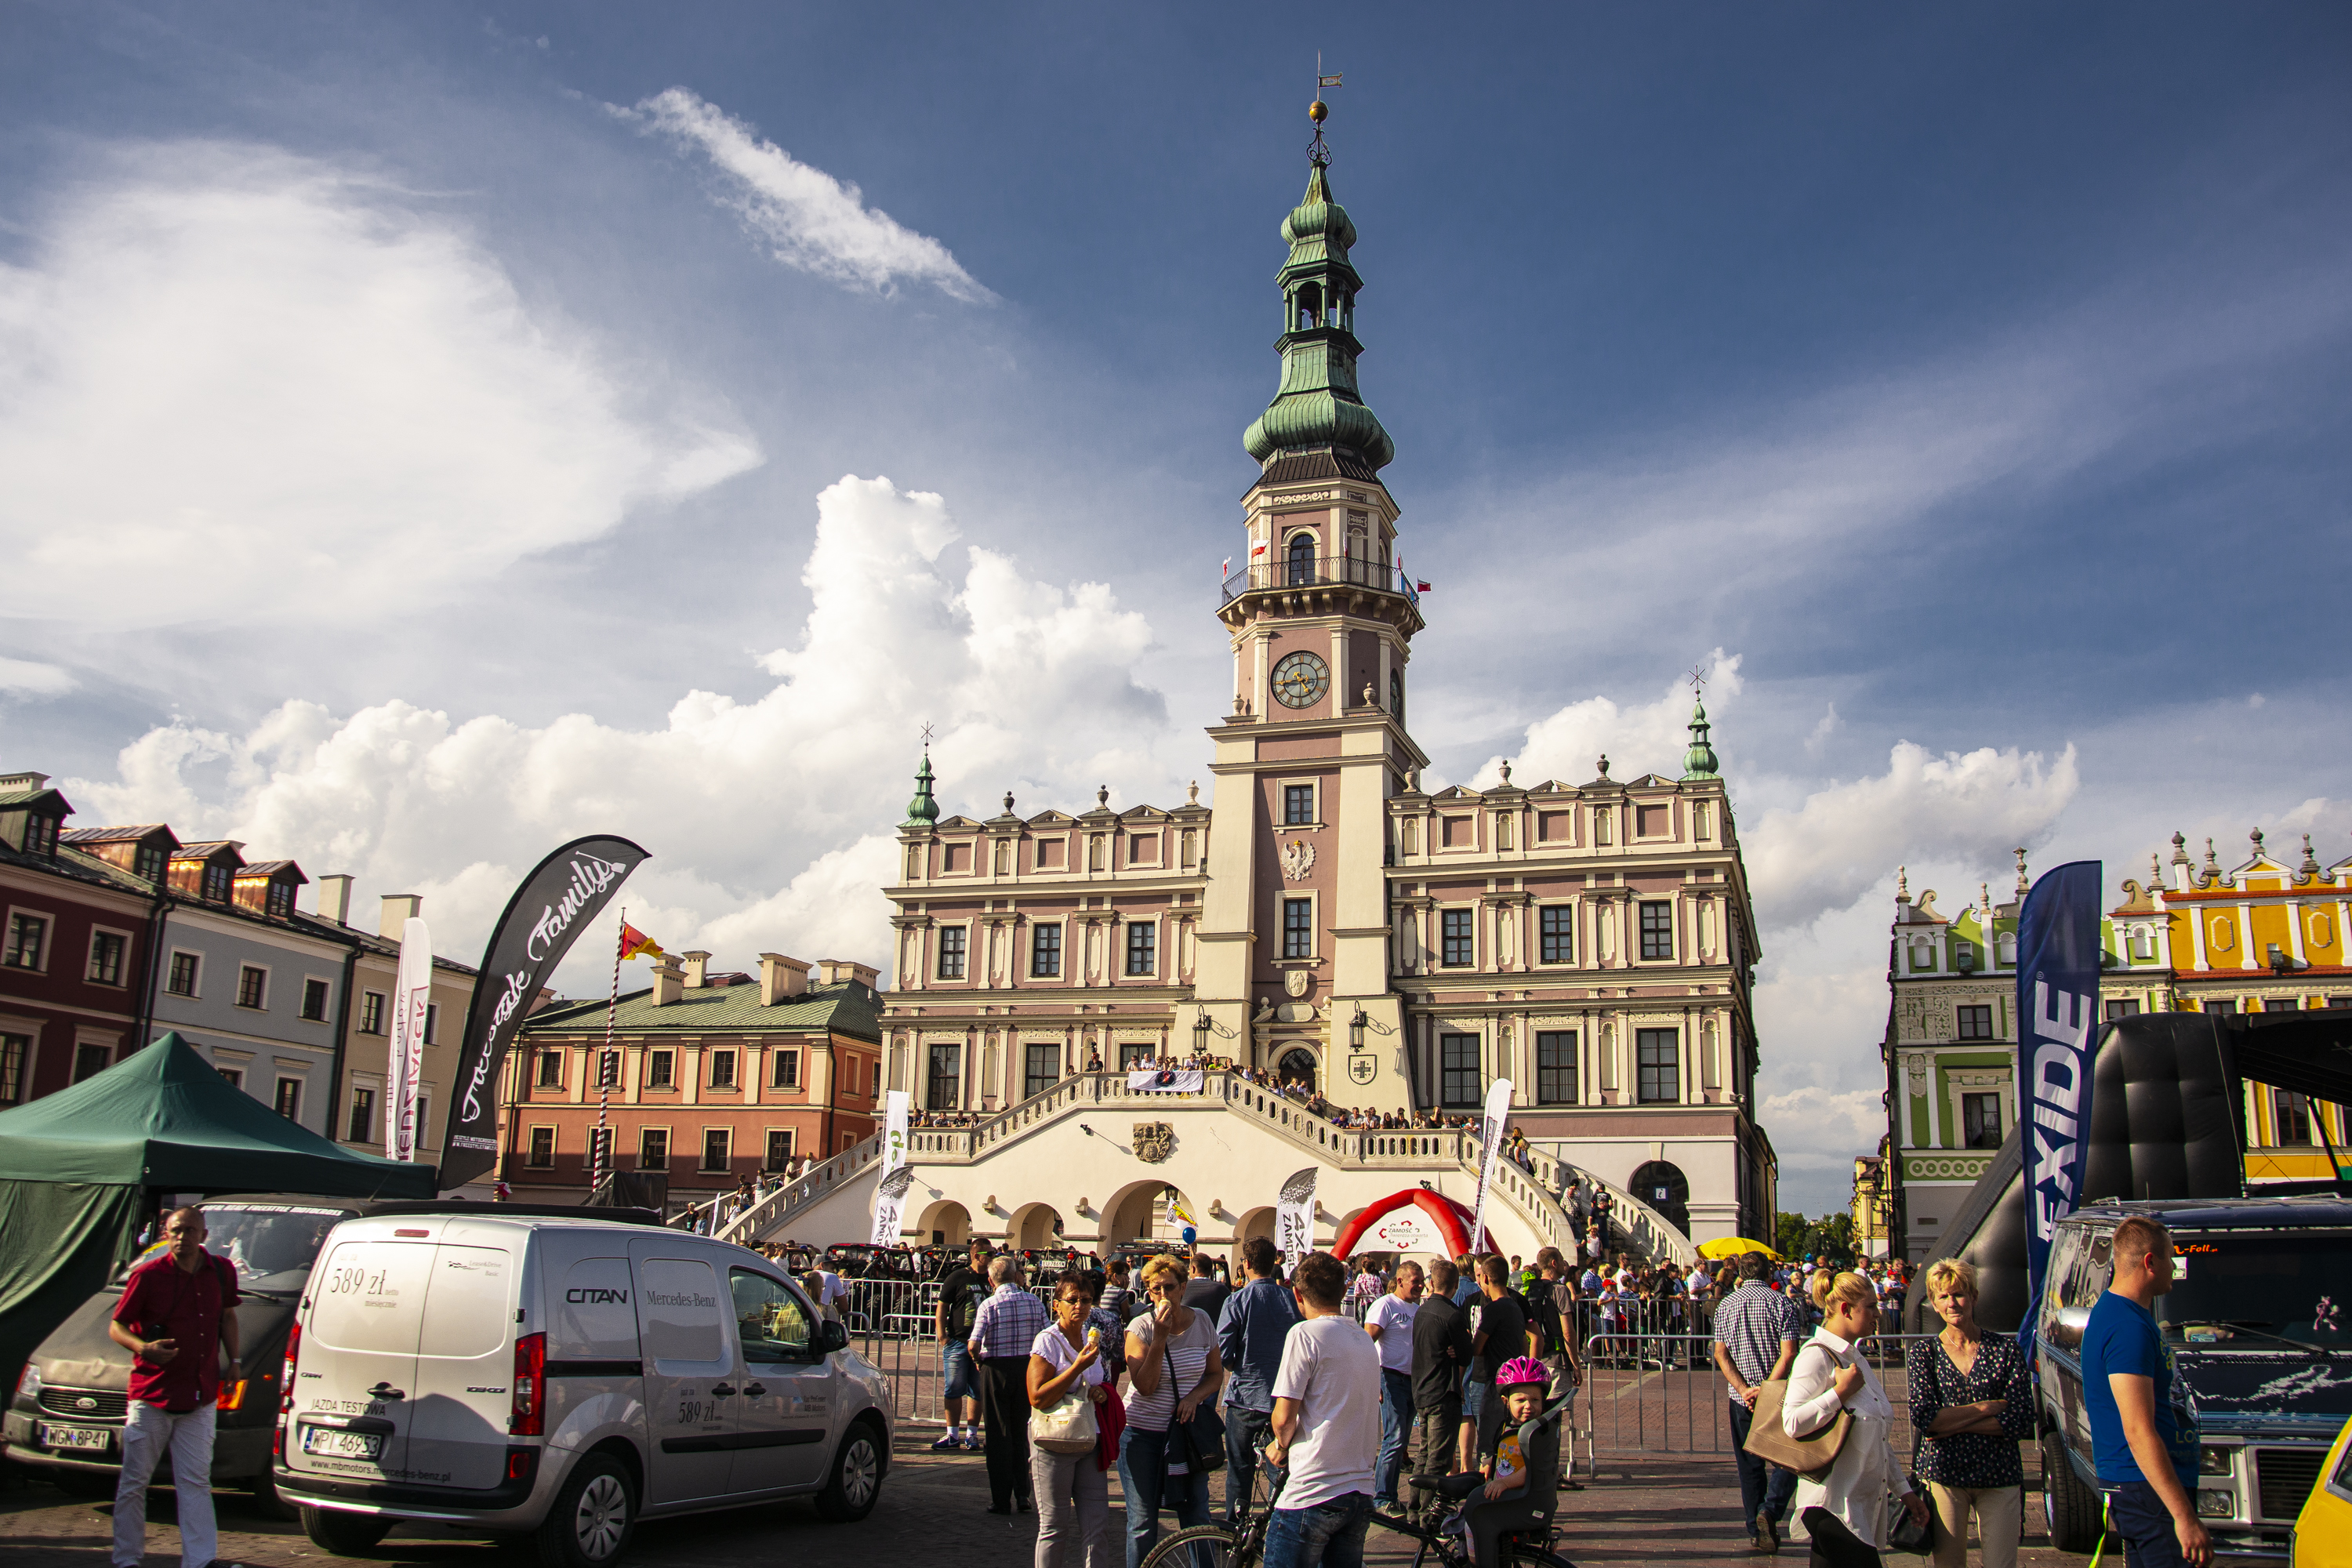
(1297, 860)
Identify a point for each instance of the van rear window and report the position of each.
(466, 1310)
(370, 1296)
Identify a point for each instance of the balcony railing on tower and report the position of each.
(1301, 570)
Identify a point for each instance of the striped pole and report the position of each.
(603, 1156)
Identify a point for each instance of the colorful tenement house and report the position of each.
(1324, 919)
(2262, 936)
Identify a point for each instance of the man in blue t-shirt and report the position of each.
(2143, 1433)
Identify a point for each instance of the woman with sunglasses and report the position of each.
(1070, 1355)
(1173, 1365)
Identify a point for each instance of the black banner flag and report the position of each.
(553, 906)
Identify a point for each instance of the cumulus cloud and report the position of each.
(770, 821)
(1648, 737)
(1848, 836)
(26, 678)
(808, 219)
(284, 387)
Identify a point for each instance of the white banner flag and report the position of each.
(403, 1068)
(1490, 1144)
(1167, 1081)
(888, 1199)
(1294, 1217)
(895, 1117)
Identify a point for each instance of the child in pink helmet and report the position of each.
(1523, 1478)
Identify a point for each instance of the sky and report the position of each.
(428, 432)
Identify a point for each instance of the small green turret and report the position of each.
(1699, 762)
(922, 811)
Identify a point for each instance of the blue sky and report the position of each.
(381, 387)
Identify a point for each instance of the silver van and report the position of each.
(560, 1377)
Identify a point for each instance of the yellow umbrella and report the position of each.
(1733, 1245)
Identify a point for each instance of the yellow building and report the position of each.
(2260, 937)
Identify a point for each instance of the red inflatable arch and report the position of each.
(1451, 1220)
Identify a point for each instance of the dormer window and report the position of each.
(215, 883)
(40, 834)
(280, 901)
(148, 863)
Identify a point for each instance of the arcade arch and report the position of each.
(946, 1223)
(1033, 1226)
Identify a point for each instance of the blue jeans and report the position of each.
(2140, 1516)
(1143, 1477)
(1764, 1489)
(956, 1370)
(1247, 1432)
(1396, 1425)
(1328, 1535)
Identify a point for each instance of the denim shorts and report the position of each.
(955, 1365)
(1474, 1399)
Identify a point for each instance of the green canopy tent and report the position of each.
(75, 1169)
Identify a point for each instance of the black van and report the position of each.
(2259, 1322)
(65, 1423)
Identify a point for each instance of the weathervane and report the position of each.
(1698, 679)
(926, 737)
(1316, 153)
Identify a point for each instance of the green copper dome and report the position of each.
(922, 811)
(1699, 762)
(1317, 405)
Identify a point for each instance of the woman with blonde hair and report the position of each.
(1845, 1514)
(1174, 1368)
(1971, 1403)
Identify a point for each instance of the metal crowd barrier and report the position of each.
(1647, 1392)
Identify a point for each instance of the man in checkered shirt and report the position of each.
(1756, 1333)
(1007, 1326)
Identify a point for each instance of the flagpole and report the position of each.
(602, 1158)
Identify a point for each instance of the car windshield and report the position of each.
(272, 1245)
(2270, 1284)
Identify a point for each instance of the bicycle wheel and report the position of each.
(1534, 1557)
(1204, 1546)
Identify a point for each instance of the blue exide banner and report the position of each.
(2058, 1032)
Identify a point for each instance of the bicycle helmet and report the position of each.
(1521, 1369)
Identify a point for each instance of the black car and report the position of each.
(64, 1422)
(2259, 1325)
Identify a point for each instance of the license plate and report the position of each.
(342, 1445)
(93, 1439)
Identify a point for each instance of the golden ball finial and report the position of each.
(1318, 111)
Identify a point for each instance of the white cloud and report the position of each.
(1649, 738)
(809, 219)
(288, 390)
(24, 677)
(1847, 838)
(1822, 731)
(770, 820)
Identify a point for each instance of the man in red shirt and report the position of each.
(176, 1316)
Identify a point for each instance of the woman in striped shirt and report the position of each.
(1173, 1369)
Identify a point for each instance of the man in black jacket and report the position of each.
(1441, 1352)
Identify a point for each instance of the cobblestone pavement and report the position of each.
(1679, 1511)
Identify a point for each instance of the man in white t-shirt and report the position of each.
(1327, 1428)
(1389, 1325)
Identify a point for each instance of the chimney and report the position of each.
(698, 965)
(833, 971)
(398, 909)
(335, 898)
(782, 978)
(667, 986)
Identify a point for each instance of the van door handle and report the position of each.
(721, 1391)
(386, 1391)
(755, 1389)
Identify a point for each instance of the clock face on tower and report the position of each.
(1300, 679)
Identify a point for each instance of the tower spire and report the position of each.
(1699, 761)
(923, 811)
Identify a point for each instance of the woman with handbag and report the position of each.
(1972, 1403)
(1067, 1376)
(1173, 1437)
(1847, 1514)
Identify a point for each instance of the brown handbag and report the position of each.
(1811, 1456)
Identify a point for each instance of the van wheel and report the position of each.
(857, 1482)
(2072, 1508)
(343, 1535)
(595, 1509)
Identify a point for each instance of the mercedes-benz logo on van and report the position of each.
(85, 1402)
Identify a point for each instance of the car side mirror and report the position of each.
(831, 1337)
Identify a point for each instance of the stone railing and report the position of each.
(764, 1219)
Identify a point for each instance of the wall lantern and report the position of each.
(1356, 1031)
(1199, 1031)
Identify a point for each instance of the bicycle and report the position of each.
(1243, 1544)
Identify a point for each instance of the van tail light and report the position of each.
(530, 1416)
(286, 1375)
(231, 1395)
